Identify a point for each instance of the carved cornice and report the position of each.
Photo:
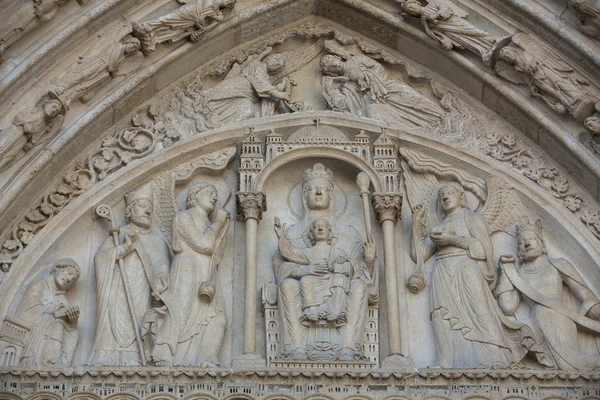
(251, 205)
(387, 206)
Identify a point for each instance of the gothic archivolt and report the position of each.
(310, 203)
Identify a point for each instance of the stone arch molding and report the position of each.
(349, 102)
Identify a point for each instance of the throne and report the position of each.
(274, 339)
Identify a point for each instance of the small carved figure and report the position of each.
(325, 277)
(51, 320)
(190, 20)
(592, 124)
(561, 304)
(30, 127)
(198, 319)
(132, 268)
(82, 79)
(589, 23)
(23, 16)
(450, 28)
(336, 334)
(369, 91)
(470, 330)
(550, 78)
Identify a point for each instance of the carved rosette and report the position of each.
(387, 206)
(251, 205)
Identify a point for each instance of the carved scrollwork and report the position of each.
(507, 149)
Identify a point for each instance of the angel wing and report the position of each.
(421, 189)
(333, 47)
(503, 209)
(165, 207)
(296, 59)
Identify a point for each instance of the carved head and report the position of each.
(530, 241)
(140, 205)
(332, 65)
(451, 196)
(275, 63)
(52, 108)
(413, 8)
(320, 231)
(317, 188)
(509, 55)
(592, 124)
(132, 45)
(203, 195)
(66, 272)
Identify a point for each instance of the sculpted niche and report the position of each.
(326, 276)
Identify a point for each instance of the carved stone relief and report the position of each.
(192, 20)
(30, 127)
(446, 23)
(21, 16)
(154, 290)
(43, 329)
(565, 313)
(589, 21)
(549, 78)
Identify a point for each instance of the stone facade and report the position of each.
(330, 199)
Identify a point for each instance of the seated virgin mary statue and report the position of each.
(326, 277)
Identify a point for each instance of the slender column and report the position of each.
(250, 206)
(387, 208)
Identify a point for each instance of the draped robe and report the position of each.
(51, 340)
(556, 279)
(362, 291)
(470, 329)
(115, 340)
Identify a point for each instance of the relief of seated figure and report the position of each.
(325, 275)
(326, 278)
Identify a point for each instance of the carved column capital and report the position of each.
(251, 205)
(387, 206)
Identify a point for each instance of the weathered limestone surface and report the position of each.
(415, 186)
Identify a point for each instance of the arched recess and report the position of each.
(89, 396)
(32, 177)
(317, 152)
(45, 396)
(574, 236)
(199, 396)
(124, 396)
(161, 396)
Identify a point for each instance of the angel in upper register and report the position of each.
(193, 19)
(30, 127)
(549, 77)
(259, 87)
(470, 329)
(447, 24)
(324, 274)
(370, 92)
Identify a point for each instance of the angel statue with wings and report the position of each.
(470, 329)
(259, 87)
(357, 84)
(190, 331)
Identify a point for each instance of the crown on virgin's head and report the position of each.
(525, 226)
(318, 171)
